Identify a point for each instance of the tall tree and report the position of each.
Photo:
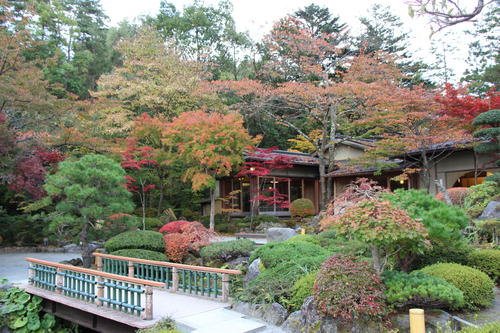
(87, 190)
(490, 121)
(153, 79)
(211, 145)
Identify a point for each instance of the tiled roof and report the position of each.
(296, 158)
(356, 170)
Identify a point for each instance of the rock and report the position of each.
(492, 211)
(279, 234)
(274, 314)
(73, 262)
(72, 248)
(263, 227)
(438, 320)
(233, 264)
(6, 286)
(294, 323)
(253, 270)
(5, 329)
(401, 321)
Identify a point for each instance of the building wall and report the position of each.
(456, 165)
(345, 152)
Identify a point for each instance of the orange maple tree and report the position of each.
(211, 145)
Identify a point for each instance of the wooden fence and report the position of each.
(196, 280)
(122, 293)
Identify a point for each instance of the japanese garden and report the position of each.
(324, 172)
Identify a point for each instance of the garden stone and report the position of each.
(6, 286)
(253, 270)
(279, 234)
(308, 319)
(274, 314)
(73, 262)
(438, 320)
(401, 321)
(492, 211)
(237, 262)
(294, 323)
(263, 227)
(5, 329)
(72, 248)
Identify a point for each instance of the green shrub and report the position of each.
(261, 219)
(441, 253)
(490, 230)
(476, 286)
(313, 239)
(153, 223)
(274, 253)
(487, 261)
(418, 289)
(147, 240)
(349, 289)
(141, 254)
(301, 290)
(444, 222)
(275, 284)
(486, 328)
(479, 197)
(301, 208)
(228, 250)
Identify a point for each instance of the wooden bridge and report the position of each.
(124, 294)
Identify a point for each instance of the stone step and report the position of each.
(221, 320)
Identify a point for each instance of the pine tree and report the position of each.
(88, 190)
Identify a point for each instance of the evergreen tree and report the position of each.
(89, 191)
(491, 132)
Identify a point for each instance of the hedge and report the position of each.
(140, 239)
(228, 250)
(418, 289)
(140, 254)
(275, 253)
(476, 286)
(487, 261)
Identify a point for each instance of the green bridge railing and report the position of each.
(195, 280)
(121, 293)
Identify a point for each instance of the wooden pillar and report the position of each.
(175, 279)
(225, 287)
(98, 263)
(148, 311)
(417, 321)
(100, 290)
(59, 281)
(130, 269)
(31, 273)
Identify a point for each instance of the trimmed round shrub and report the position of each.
(228, 250)
(349, 289)
(140, 254)
(487, 261)
(476, 286)
(153, 223)
(275, 253)
(313, 239)
(140, 239)
(302, 208)
(441, 253)
(275, 284)
(301, 290)
(418, 289)
(493, 327)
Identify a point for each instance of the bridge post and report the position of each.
(130, 269)
(148, 311)
(31, 273)
(98, 263)
(59, 280)
(175, 279)
(225, 287)
(100, 290)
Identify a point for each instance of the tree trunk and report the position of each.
(212, 209)
(84, 244)
(322, 183)
(162, 194)
(426, 173)
(442, 188)
(377, 265)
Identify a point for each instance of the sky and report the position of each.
(257, 16)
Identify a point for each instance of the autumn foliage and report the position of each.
(456, 194)
(181, 237)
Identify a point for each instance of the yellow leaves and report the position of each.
(301, 144)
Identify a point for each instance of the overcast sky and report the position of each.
(257, 17)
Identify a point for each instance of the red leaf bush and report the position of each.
(349, 289)
(173, 227)
(182, 237)
(457, 195)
